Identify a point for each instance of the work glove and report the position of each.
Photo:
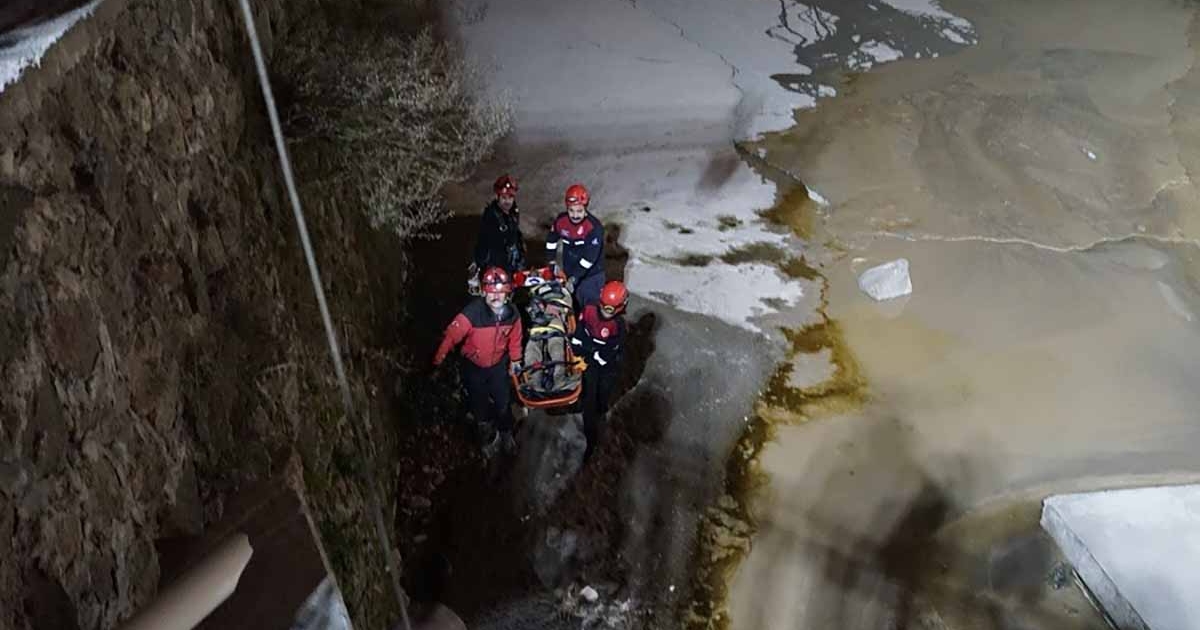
(571, 285)
(473, 279)
(515, 368)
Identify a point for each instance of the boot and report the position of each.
(489, 438)
(490, 448)
(508, 443)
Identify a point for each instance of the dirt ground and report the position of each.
(457, 516)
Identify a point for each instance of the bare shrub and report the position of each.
(398, 116)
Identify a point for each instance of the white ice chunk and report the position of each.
(886, 281)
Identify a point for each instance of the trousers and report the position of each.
(489, 394)
(598, 384)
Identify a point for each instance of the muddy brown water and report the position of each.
(1040, 186)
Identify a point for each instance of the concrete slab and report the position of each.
(1137, 550)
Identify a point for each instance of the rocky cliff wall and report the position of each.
(157, 335)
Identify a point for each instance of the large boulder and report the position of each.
(554, 555)
(549, 457)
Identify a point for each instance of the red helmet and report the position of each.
(614, 295)
(505, 186)
(495, 280)
(576, 193)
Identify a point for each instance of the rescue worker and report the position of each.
(499, 243)
(599, 340)
(582, 239)
(488, 328)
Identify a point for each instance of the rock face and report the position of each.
(145, 312)
(550, 456)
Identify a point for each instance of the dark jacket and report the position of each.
(599, 341)
(583, 245)
(499, 243)
(484, 335)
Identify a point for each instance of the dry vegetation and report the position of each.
(396, 114)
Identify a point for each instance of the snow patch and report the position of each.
(731, 293)
(1136, 549)
(881, 52)
(859, 62)
(672, 232)
(870, 53)
(666, 211)
(929, 9)
(29, 44)
(678, 206)
(667, 220)
(953, 36)
(954, 28)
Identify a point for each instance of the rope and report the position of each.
(318, 288)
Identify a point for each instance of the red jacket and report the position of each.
(484, 335)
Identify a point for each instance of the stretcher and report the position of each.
(550, 375)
